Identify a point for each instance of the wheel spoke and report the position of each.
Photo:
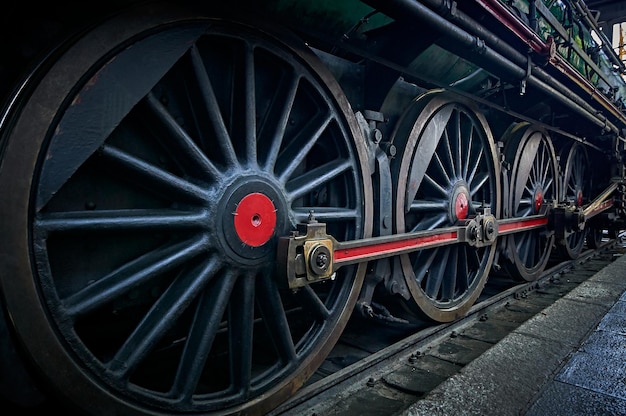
(202, 333)
(459, 145)
(241, 320)
(476, 165)
(479, 184)
(131, 274)
(448, 150)
(148, 174)
(313, 304)
(161, 317)
(213, 108)
(524, 247)
(423, 262)
(466, 263)
(300, 147)
(274, 314)
(280, 108)
(250, 105)
(436, 273)
(192, 154)
(525, 207)
(326, 214)
(316, 177)
(121, 220)
(431, 223)
(440, 166)
(448, 285)
(468, 157)
(430, 181)
(425, 206)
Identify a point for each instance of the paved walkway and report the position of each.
(570, 360)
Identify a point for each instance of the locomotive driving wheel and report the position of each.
(533, 182)
(575, 192)
(447, 171)
(150, 173)
(594, 237)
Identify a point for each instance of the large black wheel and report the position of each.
(447, 170)
(534, 182)
(147, 179)
(575, 191)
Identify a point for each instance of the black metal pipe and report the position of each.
(460, 41)
(532, 15)
(474, 49)
(444, 7)
(472, 26)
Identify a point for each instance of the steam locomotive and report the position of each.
(197, 197)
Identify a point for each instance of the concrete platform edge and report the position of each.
(510, 377)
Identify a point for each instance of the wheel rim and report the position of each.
(154, 240)
(575, 190)
(533, 182)
(436, 186)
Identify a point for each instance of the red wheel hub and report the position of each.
(579, 198)
(538, 200)
(255, 219)
(461, 206)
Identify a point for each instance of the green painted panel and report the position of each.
(330, 17)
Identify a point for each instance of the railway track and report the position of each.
(384, 370)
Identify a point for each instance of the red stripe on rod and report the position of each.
(358, 253)
(601, 207)
(521, 224)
